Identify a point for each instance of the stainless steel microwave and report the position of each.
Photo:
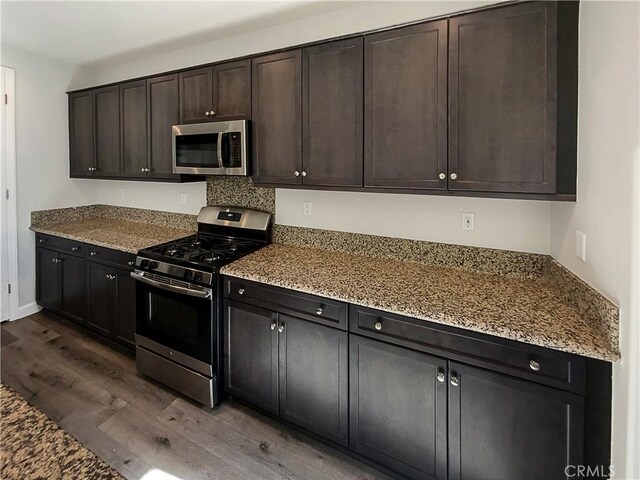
(215, 148)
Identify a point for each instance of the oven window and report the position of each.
(199, 150)
(177, 321)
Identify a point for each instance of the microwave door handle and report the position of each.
(220, 162)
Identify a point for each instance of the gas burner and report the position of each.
(173, 251)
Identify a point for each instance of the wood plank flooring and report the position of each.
(144, 431)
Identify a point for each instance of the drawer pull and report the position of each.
(440, 376)
(273, 326)
(319, 311)
(535, 366)
(93, 254)
(110, 277)
(378, 326)
(42, 240)
(240, 291)
(281, 328)
(454, 381)
(131, 263)
(75, 249)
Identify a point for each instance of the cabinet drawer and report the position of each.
(558, 369)
(62, 244)
(107, 255)
(313, 308)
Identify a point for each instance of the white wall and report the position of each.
(608, 208)
(42, 150)
(506, 224)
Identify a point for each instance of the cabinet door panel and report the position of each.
(232, 90)
(48, 278)
(332, 113)
(133, 128)
(195, 95)
(502, 103)
(102, 297)
(107, 131)
(81, 146)
(398, 411)
(276, 118)
(251, 355)
(162, 102)
(501, 428)
(72, 287)
(124, 326)
(314, 377)
(406, 107)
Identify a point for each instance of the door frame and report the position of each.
(8, 184)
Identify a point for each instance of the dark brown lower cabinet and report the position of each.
(398, 408)
(502, 428)
(313, 374)
(111, 302)
(293, 368)
(251, 355)
(60, 283)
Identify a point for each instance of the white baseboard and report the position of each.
(26, 310)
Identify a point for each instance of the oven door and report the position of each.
(216, 148)
(175, 319)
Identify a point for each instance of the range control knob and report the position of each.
(197, 276)
(153, 265)
(188, 274)
(144, 264)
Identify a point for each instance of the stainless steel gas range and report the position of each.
(178, 300)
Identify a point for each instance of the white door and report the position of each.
(8, 263)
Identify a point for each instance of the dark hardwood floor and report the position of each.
(94, 393)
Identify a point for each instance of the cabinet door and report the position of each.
(501, 428)
(107, 131)
(277, 117)
(406, 107)
(124, 327)
(314, 377)
(502, 99)
(332, 106)
(47, 278)
(232, 90)
(133, 128)
(81, 146)
(195, 95)
(251, 355)
(72, 287)
(398, 411)
(102, 297)
(163, 113)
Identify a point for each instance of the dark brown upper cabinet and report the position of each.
(512, 99)
(163, 112)
(107, 131)
(221, 92)
(133, 129)
(81, 144)
(332, 114)
(405, 107)
(276, 115)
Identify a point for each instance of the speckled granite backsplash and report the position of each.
(240, 192)
(182, 221)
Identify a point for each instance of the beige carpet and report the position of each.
(33, 447)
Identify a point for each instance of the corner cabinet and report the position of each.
(513, 99)
(89, 285)
(424, 401)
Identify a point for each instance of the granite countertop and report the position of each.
(522, 309)
(123, 235)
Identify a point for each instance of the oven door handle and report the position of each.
(194, 292)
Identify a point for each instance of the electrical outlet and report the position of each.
(581, 245)
(183, 198)
(307, 208)
(468, 221)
